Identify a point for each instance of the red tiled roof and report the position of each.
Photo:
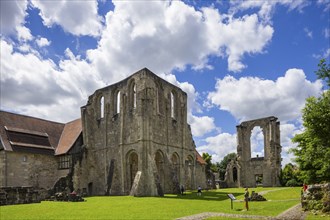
(28, 131)
(20, 132)
(199, 158)
(70, 133)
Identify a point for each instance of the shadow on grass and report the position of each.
(206, 195)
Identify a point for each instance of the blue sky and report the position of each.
(237, 60)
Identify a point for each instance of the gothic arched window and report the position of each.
(118, 103)
(102, 107)
(172, 105)
(134, 95)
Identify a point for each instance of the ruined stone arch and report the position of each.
(268, 167)
(160, 166)
(132, 166)
(175, 160)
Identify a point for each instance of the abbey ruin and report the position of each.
(132, 139)
(137, 140)
(245, 170)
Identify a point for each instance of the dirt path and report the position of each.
(267, 191)
(293, 213)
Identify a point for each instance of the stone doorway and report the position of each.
(90, 188)
(259, 179)
(235, 175)
(132, 167)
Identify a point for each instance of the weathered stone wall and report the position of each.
(149, 134)
(18, 195)
(25, 169)
(316, 197)
(246, 168)
(3, 168)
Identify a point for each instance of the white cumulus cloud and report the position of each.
(23, 33)
(76, 17)
(201, 125)
(219, 146)
(42, 42)
(45, 91)
(251, 97)
(158, 39)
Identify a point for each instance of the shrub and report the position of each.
(292, 182)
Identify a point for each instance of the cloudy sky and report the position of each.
(236, 60)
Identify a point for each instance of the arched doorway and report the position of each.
(235, 174)
(189, 167)
(175, 173)
(132, 167)
(159, 160)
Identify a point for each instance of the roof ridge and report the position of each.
(34, 117)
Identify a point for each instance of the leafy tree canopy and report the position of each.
(313, 150)
(210, 167)
(323, 71)
(290, 175)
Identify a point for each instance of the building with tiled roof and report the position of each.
(33, 151)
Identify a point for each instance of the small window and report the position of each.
(64, 162)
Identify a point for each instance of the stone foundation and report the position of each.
(316, 197)
(18, 195)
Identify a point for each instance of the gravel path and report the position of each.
(293, 213)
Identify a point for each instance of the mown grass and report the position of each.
(168, 207)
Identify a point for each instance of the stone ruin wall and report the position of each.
(142, 133)
(242, 171)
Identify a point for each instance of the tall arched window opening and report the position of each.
(118, 103)
(102, 107)
(172, 105)
(257, 143)
(134, 95)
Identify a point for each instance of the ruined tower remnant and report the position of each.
(246, 170)
(137, 140)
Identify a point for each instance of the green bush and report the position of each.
(315, 205)
(326, 202)
(292, 183)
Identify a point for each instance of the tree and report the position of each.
(290, 175)
(323, 71)
(207, 158)
(223, 164)
(209, 168)
(313, 150)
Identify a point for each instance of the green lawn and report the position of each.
(167, 207)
